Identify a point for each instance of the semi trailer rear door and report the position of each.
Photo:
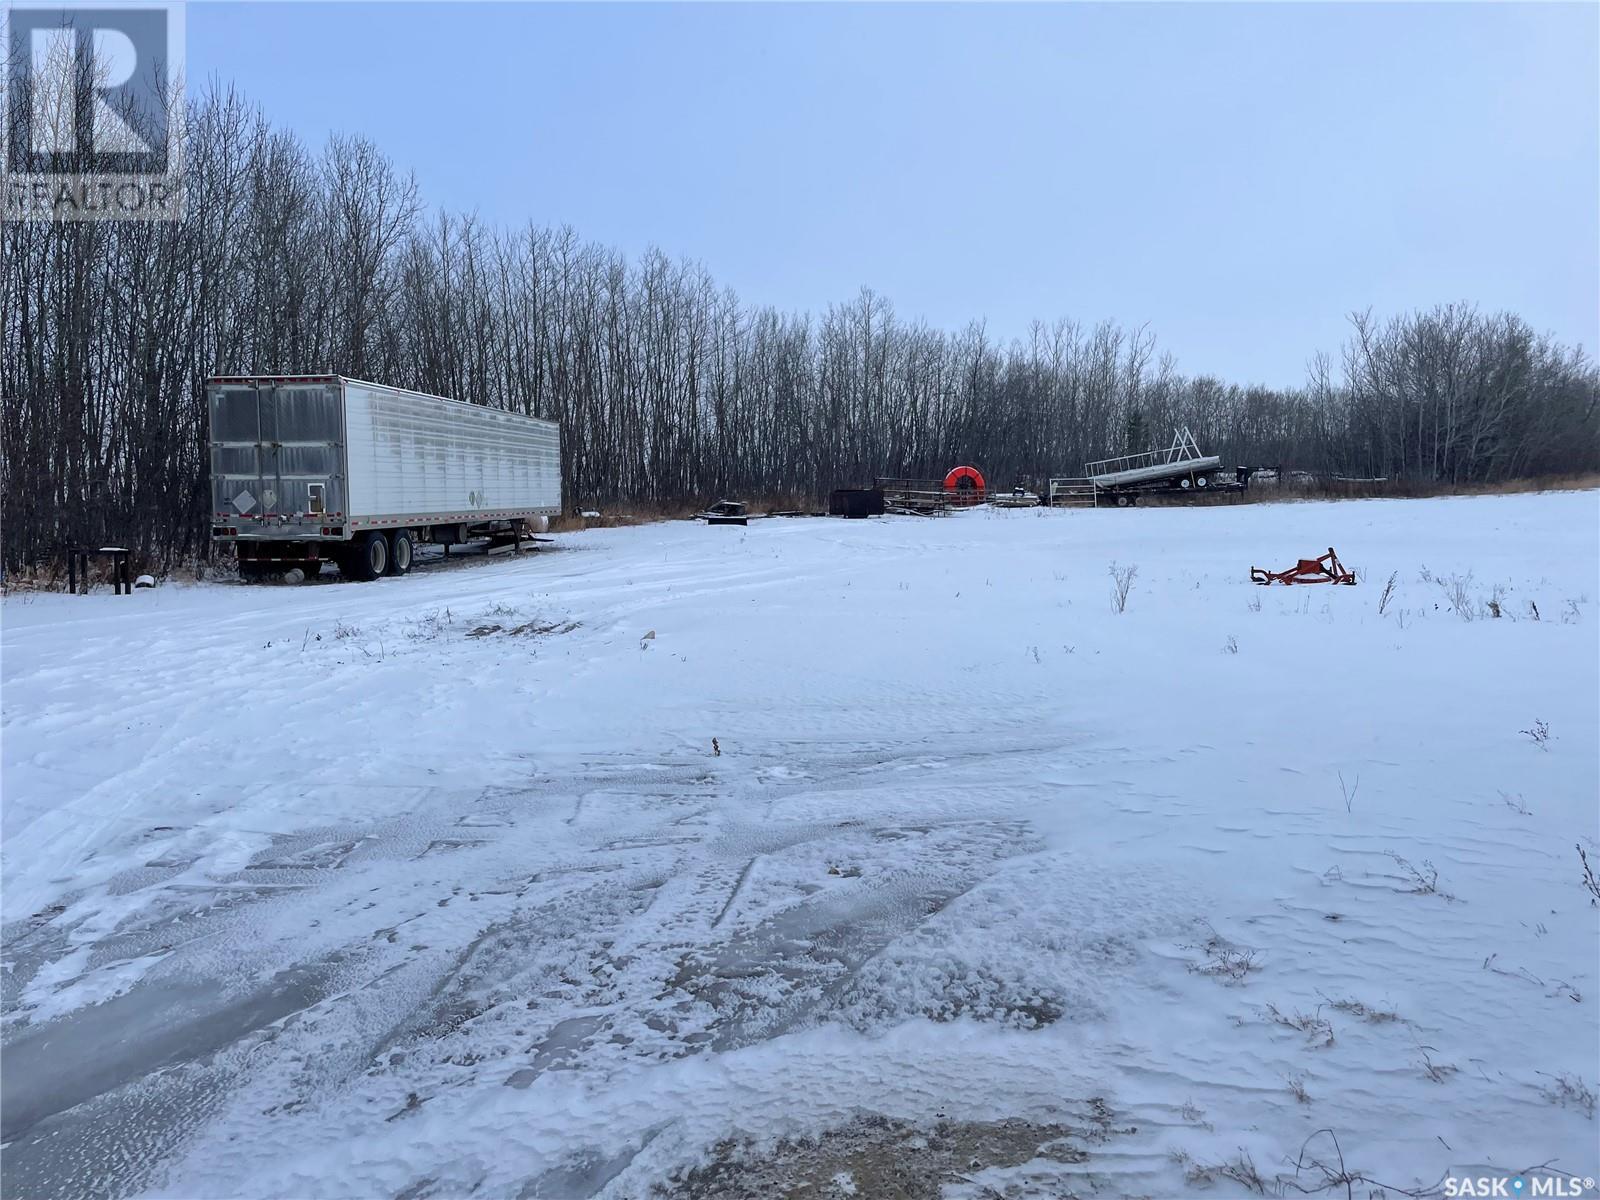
(277, 454)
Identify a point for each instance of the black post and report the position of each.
(72, 570)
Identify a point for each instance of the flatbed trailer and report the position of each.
(1179, 470)
(919, 497)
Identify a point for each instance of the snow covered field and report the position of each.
(840, 857)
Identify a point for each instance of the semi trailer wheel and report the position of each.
(366, 559)
(1202, 481)
(399, 552)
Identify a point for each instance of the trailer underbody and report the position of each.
(372, 553)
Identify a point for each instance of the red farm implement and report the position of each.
(1327, 569)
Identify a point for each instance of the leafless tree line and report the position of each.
(666, 387)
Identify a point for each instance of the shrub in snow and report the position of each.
(1121, 584)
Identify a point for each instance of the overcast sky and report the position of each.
(1239, 177)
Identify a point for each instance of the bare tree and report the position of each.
(666, 387)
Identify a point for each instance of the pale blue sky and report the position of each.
(1239, 176)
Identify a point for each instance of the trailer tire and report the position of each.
(1185, 483)
(400, 551)
(1202, 481)
(367, 559)
(1124, 501)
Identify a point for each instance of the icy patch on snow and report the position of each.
(1051, 937)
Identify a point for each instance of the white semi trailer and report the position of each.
(307, 469)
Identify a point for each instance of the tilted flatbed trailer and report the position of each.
(1179, 469)
(313, 468)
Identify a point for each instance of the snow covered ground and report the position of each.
(835, 857)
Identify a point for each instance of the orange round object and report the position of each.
(967, 483)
